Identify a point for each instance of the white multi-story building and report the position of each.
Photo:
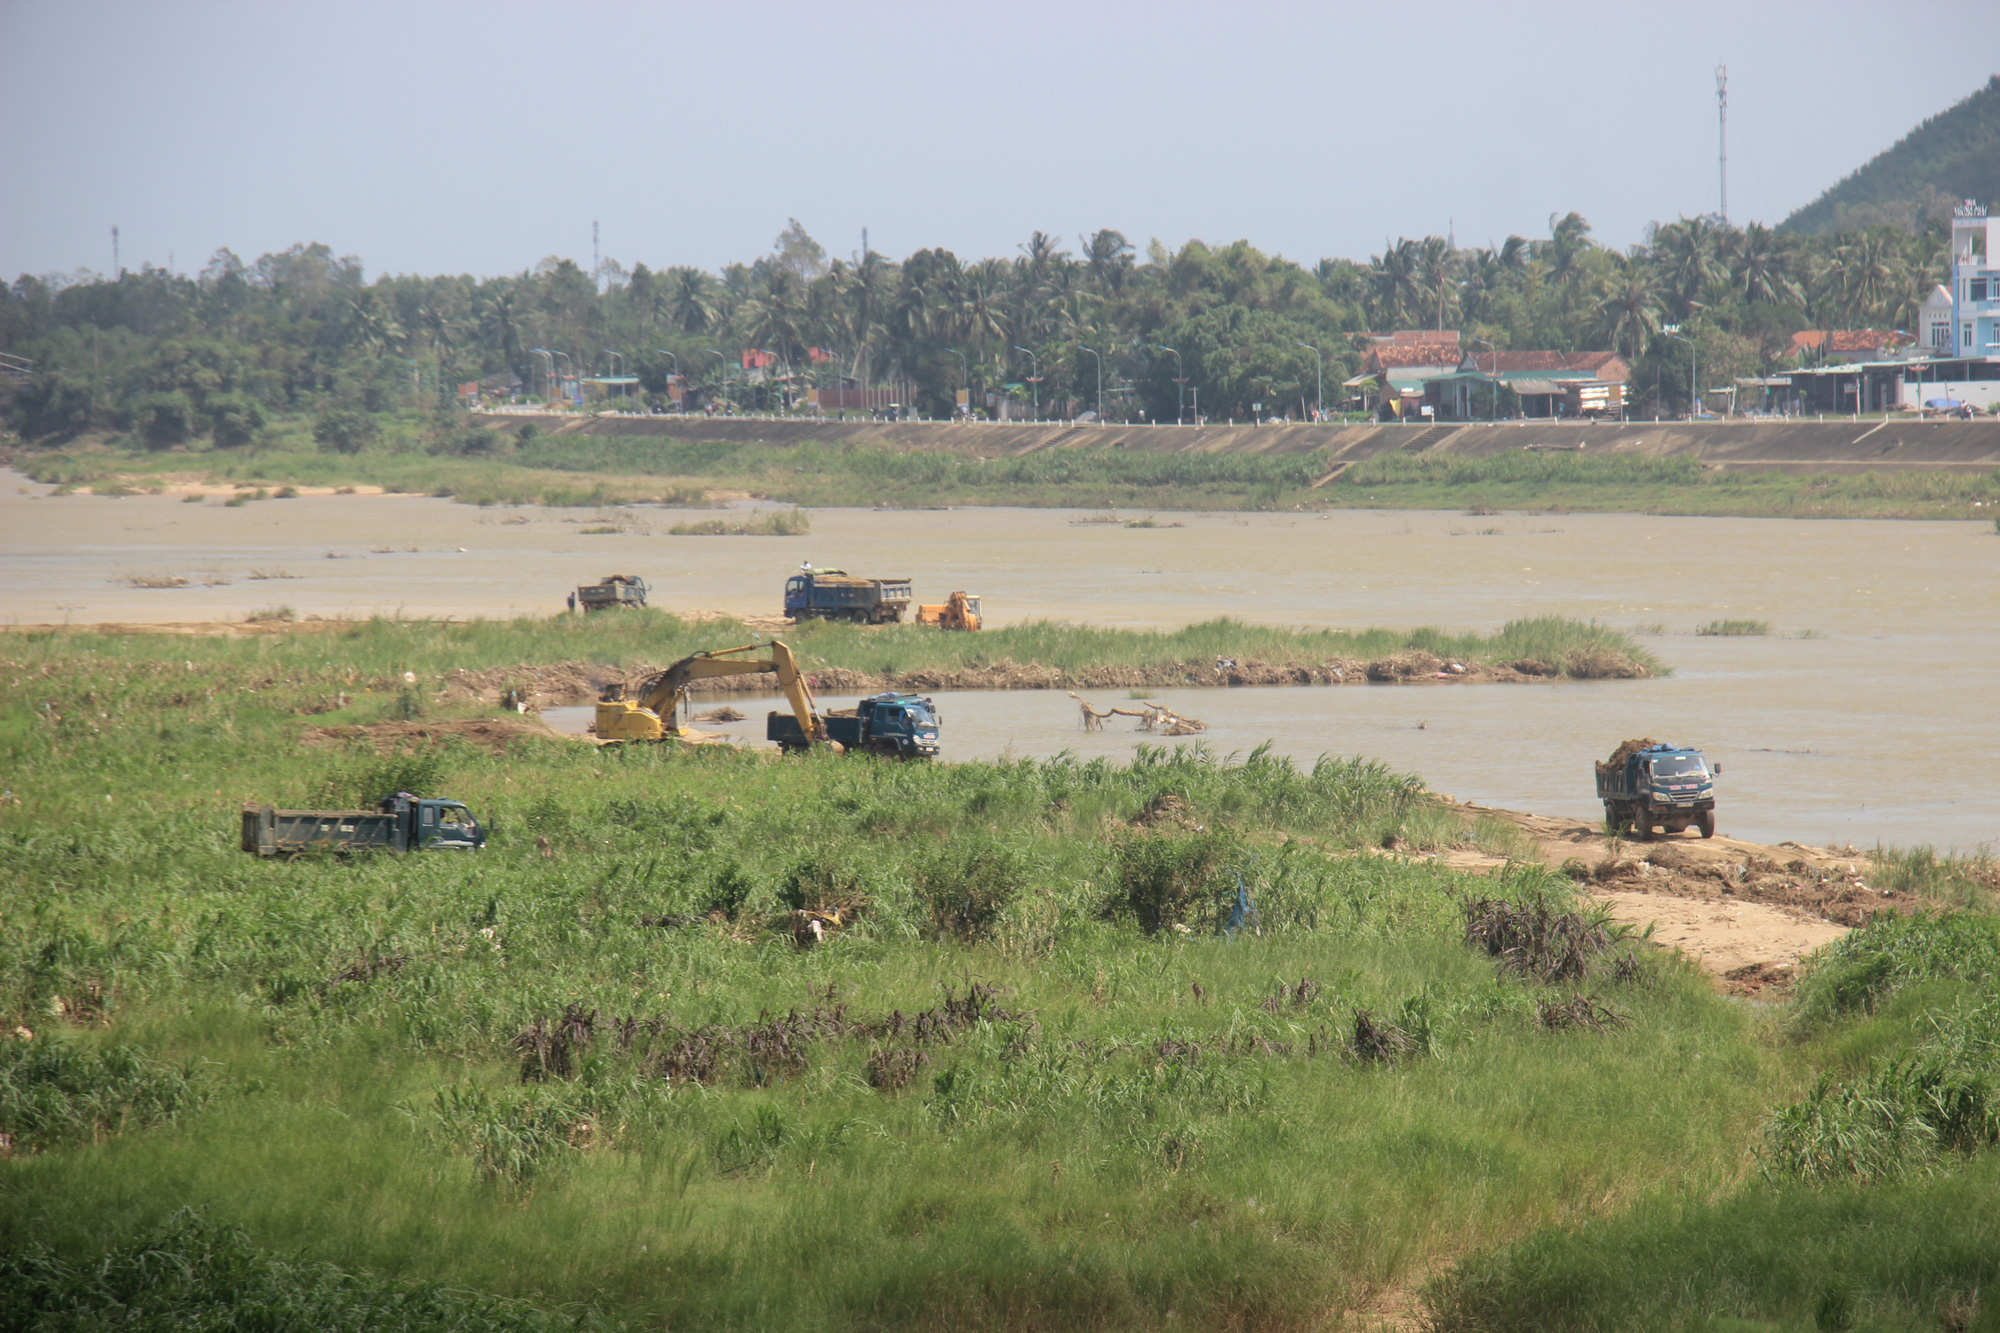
(1975, 282)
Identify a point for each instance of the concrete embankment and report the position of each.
(1789, 446)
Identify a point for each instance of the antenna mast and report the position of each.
(1722, 133)
(117, 270)
(596, 277)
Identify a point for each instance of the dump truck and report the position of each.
(611, 592)
(959, 611)
(904, 726)
(1648, 784)
(400, 823)
(834, 594)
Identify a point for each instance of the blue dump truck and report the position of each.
(904, 726)
(1648, 784)
(401, 823)
(834, 594)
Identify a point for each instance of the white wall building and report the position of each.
(1934, 322)
(1975, 281)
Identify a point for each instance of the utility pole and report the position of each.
(595, 283)
(117, 271)
(1722, 133)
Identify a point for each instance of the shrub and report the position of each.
(342, 430)
(234, 420)
(54, 1092)
(195, 1274)
(1169, 879)
(1867, 966)
(966, 883)
(166, 419)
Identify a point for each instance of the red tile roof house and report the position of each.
(1845, 345)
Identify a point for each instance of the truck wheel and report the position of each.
(1706, 821)
(1614, 818)
(1642, 824)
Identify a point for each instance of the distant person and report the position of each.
(572, 603)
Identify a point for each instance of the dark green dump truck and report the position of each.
(402, 823)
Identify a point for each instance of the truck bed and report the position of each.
(269, 831)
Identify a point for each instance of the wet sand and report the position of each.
(1880, 730)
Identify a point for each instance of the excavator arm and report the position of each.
(656, 714)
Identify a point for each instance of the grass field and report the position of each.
(1040, 1074)
(601, 470)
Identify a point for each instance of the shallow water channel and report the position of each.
(1881, 725)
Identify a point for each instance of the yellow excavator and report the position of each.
(655, 714)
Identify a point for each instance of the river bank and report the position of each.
(1896, 468)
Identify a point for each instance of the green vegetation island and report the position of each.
(711, 1038)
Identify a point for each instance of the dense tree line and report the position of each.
(218, 356)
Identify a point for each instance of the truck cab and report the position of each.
(445, 826)
(905, 725)
(902, 726)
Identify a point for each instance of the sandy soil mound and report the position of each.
(1745, 911)
(495, 734)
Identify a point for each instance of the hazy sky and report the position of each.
(436, 137)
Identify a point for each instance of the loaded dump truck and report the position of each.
(834, 594)
(611, 592)
(1647, 784)
(904, 726)
(400, 823)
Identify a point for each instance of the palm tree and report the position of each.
(690, 299)
(1436, 263)
(1685, 254)
(1760, 266)
(1628, 307)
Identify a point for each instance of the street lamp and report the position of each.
(1319, 378)
(1180, 389)
(617, 359)
(721, 364)
(1100, 380)
(1494, 377)
(1034, 378)
(549, 377)
(1694, 404)
(671, 357)
(566, 357)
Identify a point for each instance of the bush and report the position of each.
(54, 1092)
(966, 884)
(166, 419)
(1175, 879)
(234, 420)
(1866, 967)
(197, 1275)
(344, 431)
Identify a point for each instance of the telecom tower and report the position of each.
(1722, 133)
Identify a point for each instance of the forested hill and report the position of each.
(1952, 156)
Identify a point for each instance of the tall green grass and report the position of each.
(1141, 1125)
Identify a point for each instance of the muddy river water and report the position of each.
(1871, 712)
